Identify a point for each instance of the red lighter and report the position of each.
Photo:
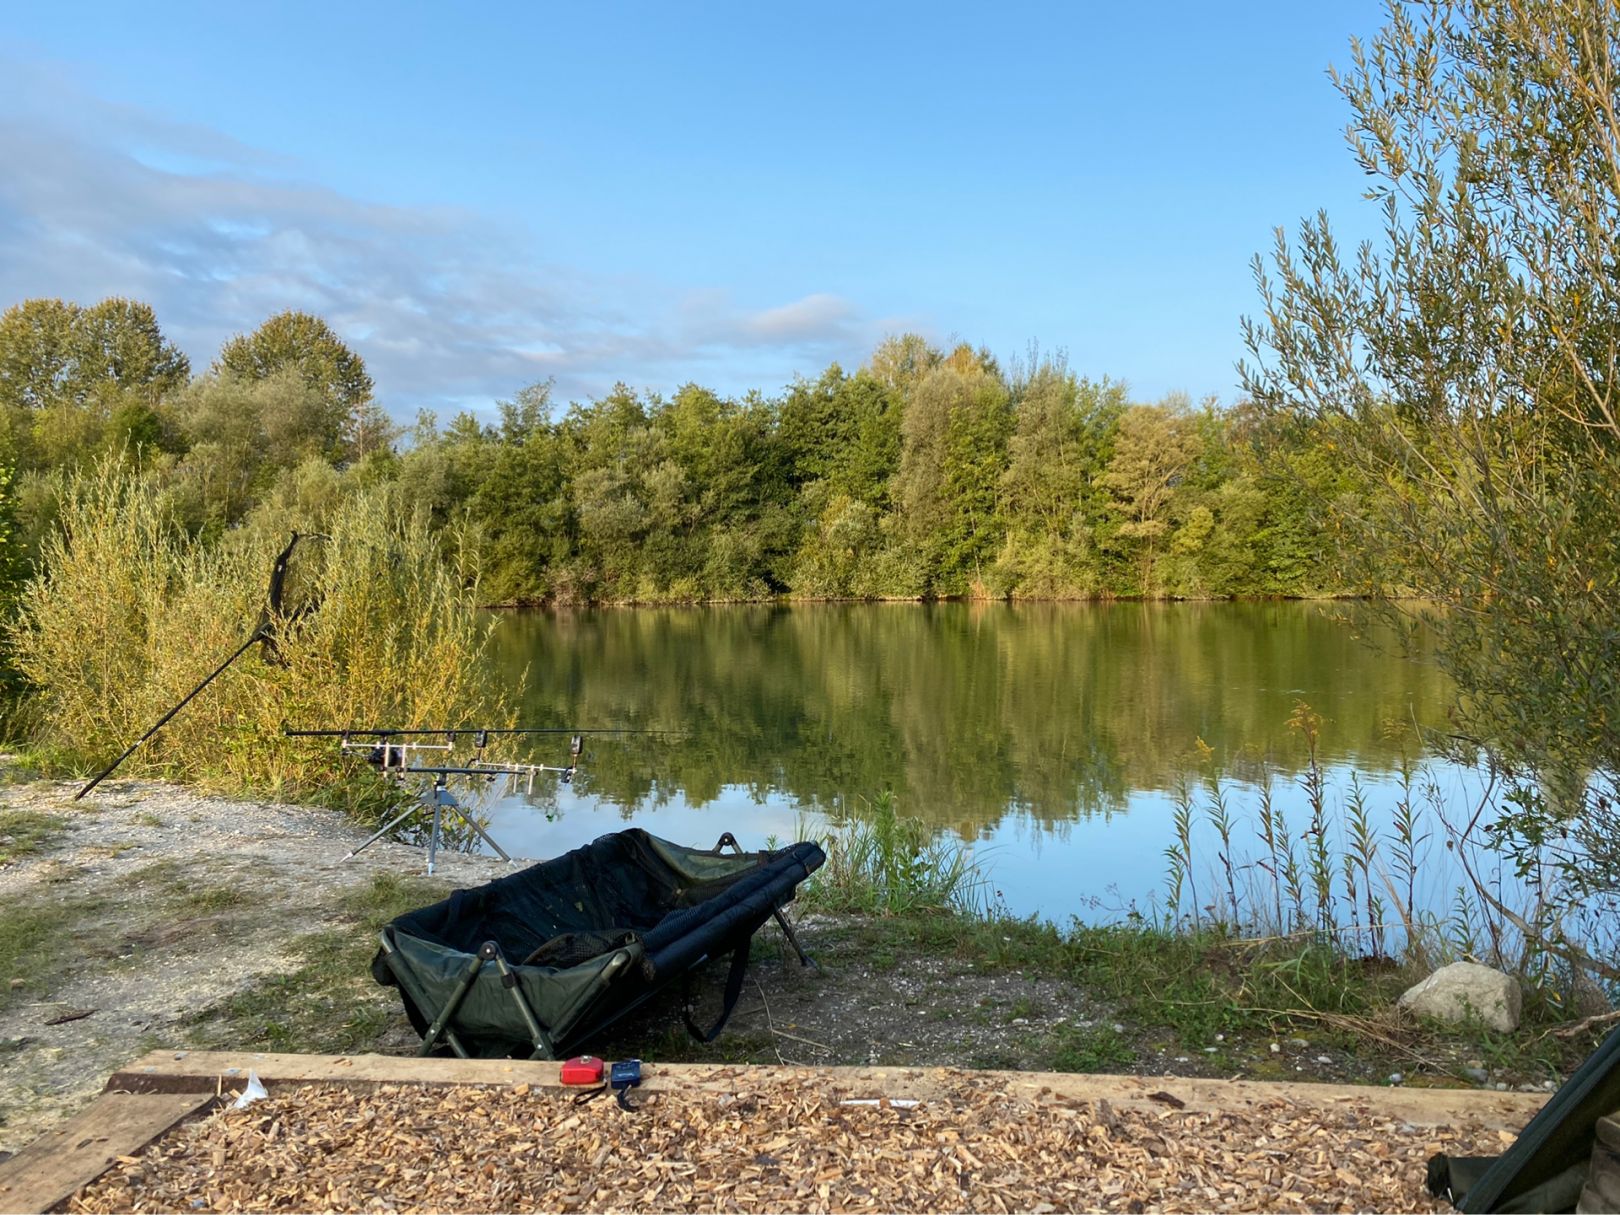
(582, 1069)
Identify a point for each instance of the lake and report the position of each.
(1048, 738)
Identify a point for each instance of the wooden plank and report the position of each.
(204, 1071)
(60, 1163)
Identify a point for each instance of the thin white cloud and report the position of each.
(101, 198)
(819, 318)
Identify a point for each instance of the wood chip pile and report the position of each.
(773, 1146)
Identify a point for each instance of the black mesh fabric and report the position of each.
(572, 948)
(591, 934)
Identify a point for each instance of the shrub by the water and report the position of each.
(129, 611)
(887, 863)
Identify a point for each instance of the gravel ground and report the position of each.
(131, 874)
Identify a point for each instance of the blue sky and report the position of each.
(480, 197)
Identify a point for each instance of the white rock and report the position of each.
(1453, 992)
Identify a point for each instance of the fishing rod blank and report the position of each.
(389, 732)
(162, 721)
(264, 631)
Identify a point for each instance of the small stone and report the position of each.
(1020, 1020)
(1501, 1087)
(1477, 1074)
(1220, 1037)
(1275, 1049)
(1210, 1050)
(1302, 1043)
(1324, 1058)
(1396, 1078)
(1118, 1028)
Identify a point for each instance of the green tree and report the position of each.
(54, 353)
(901, 360)
(611, 446)
(1154, 450)
(1465, 363)
(242, 433)
(1062, 439)
(76, 381)
(307, 346)
(953, 447)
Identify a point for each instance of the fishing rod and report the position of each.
(387, 750)
(264, 632)
(461, 731)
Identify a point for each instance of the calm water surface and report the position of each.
(1048, 738)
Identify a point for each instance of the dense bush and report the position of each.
(129, 611)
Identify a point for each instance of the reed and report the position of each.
(1352, 890)
(1180, 851)
(1220, 819)
(1274, 835)
(1407, 837)
(886, 863)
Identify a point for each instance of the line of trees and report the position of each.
(923, 473)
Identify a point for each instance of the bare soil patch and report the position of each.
(147, 905)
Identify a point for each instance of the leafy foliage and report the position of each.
(129, 611)
(305, 346)
(1463, 365)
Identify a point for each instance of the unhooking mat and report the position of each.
(537, 962)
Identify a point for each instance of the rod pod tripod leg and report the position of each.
(439, 798)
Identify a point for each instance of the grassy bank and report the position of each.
(1313, 945)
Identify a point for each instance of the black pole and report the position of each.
(257, 635)
(356, 731)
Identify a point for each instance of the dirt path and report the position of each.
(145, 904)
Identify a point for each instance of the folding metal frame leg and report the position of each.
(433, 837)
(442, 1021)
(805, 959)
(407, 980)
(793, 939)
(483, 835)
(491, 952)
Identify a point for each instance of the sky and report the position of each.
(478, 198)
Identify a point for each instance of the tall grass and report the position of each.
(129, 612)
(885, 863)
(1352, 885)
